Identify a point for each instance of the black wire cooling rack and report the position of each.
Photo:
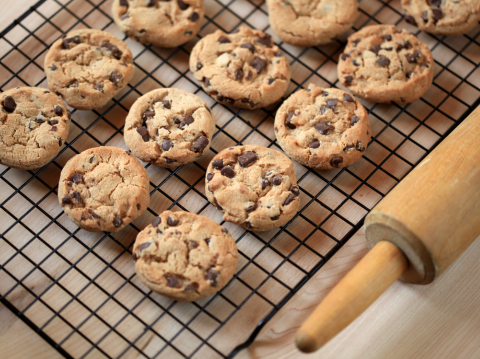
(78, 290)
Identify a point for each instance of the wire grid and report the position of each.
(79, 291)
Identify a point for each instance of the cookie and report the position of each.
(244, 69)
(443, 17)
(383, 64)
(158, 22)
(34, 124)
(88, 67)
(184, 256)
(103, 189)
(323, 128)
(169, 127)
(311, 23)
(253, 186)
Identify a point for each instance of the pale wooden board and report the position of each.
(275, 340)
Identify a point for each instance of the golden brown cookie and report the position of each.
(159, 22)
(169, 127)
(253, 186)
(185, 256)
(311, 23)
(103, 189)
(34, 124)
(323, 128)
(244, 69)
(383, 64)
(88, 67)
(443, 17)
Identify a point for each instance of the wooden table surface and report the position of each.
(441, 320)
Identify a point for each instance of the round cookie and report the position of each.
(311, 23)
(169, 127)
(103, 189)
(184, 256)
(383, 64)
(34, 124)
(323, 128)
(88, 67)
(443, 17)
(244, 69)
(158, 22)
(253, 186)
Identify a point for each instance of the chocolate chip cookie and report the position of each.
(244, 69)
(253, 186)
(88, 67)
(159, 22)
(103, 189)
(169, 127)
(184, 256)
(383, 64)
(311, 23)
(34, 124)
(323, 128)
(443, 17)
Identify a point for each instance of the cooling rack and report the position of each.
(78, 290)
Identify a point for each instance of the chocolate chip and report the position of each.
(94, 215)
(9, 104)
(115, 77)
(193, 244)
(360, 147)
(198, 66)
(238, 74)
(156, 221)
(348, 80)
(271, 81)
(98, 87)
(250, 208)
(144, 133)
(166, 145)
(151, 3)
(218, 164)
(332, 103)
(142, 246)
(224, 40)
(147, 114)
(258, 64)
(348, 98)
(436, 3)
(425, 16)
(375, 49)
(324, 128)
(53, 67)
(191, 287)
(409, 74)
(212, 276)
(123, 3)
(125, 16)
(437, 14)
(344, 56)
(265, 183)
(207, 241)
(60, 142)
(295, 190)
(323, 109)
(387, 38)
(407, 44)
(275, 218)
(194, 16)
(76, 177)
(227, 100)
(348, 147)
(249, 75)
(291, 197)
(182, 5)
(383, 61)
(172, 221)
(249, 46)
(250, 102)
(91, 159)
(354, 120)
(247, 159)
(355, 42)
(39, 118)
(117, 222)
(54, 129)
(200, 144)
(314, 144)
(172, 282)
(66, 200)
(206, 82)
(412, 58)
(70, 40)
(186, 121)
(410, 20)
(228, 171)
(336, 161)
(209, 176)
(113, 49)
(288, 120)
(265, 40)
(169, 161)
(390, 48)
(77, 197)
(276, 181)
(224, 230)
(278, 54)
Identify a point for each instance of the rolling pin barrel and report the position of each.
(415, 233)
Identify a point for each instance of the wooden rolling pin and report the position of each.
(414, 233)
